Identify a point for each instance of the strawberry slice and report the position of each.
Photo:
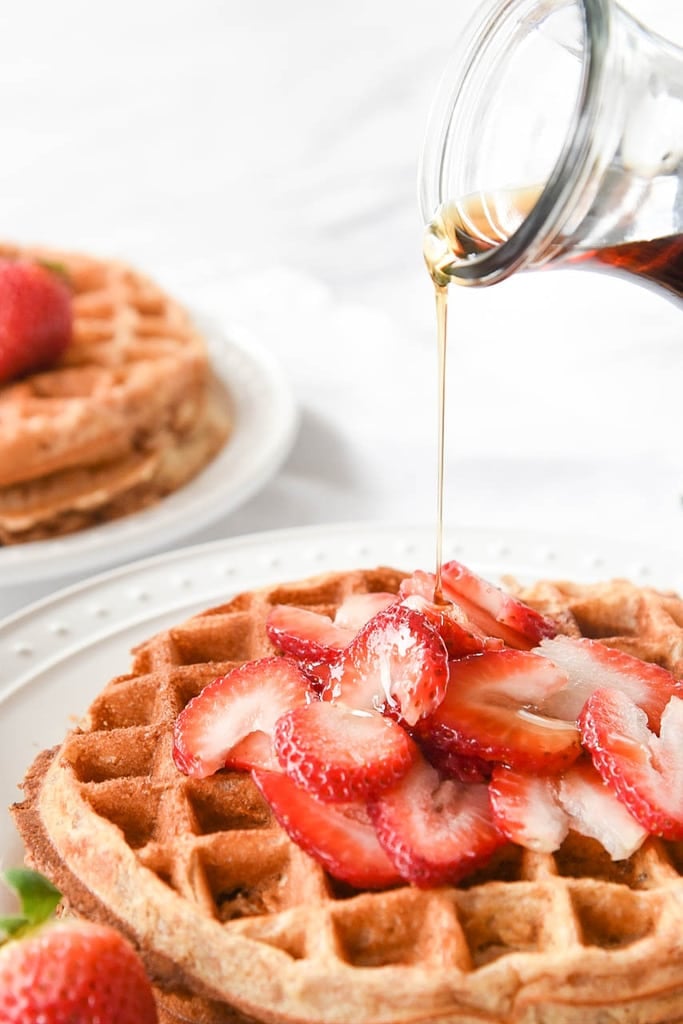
(589, 665)
(526, 809)
(488, 712)
(251, 698)
(435, 830)
(645, 770)
(458, 632)
(593, 810)
(536, 811)
(464, 767)
(492, 610)
(341, 754)
(397, 663)
(305, 635)
(357, 609)
(256, 750)
(338, 836)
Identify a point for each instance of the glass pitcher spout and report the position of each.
(557, 138)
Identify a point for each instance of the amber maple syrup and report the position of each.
(476, 224)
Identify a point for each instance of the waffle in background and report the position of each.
(129, 414)
(236, 923)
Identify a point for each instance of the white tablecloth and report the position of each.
(260, 160)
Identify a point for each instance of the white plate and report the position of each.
(58, 654)
(265, 421)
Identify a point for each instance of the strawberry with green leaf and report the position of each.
(36, 317)
(72, 971)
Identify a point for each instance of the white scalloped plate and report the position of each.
(56, 655)
(265, 421)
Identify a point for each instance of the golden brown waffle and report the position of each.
(134, 384)
(236, 923)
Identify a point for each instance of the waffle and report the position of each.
(131, 395)
(236, 923)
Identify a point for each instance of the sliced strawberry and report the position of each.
(435, 830)
(526, 809)
(341, 754)
(488, 712)
(589, 665)
(357, 609)
(465, 767)
(643, 769)
(536, 811)
(306, 635)
(256, 750)
(248, 699)
(593, 810)
(458, 632)
(396, 663)
(493, 610)
(338, 836)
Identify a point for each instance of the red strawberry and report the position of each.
(643, 769)
(35, 317)
(435, 830)
(495, 612)
(73, 971)
(306, 635)
(488, 712)
(251, 698)
(458, 632)
(536, 811)
(338, 836)
(593, 810)
(465, 767)
(357, 609)
(340, 754)
(397, 663)
(526, 809)
(589, 665)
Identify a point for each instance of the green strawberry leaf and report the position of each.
(37, 897)
(12, 926)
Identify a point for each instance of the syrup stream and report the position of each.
(441, 294)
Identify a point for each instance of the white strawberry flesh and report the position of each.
(489, 712)
(306, 635)
(340, 754)
(589, 665)
(435, 830)
(537, 811)
(526, 809)
(357, 609)
(397, 663)
(249, 699)
(492, 609)
(460, 635)
(644, 769)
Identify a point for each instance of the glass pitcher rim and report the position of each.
(503, 259)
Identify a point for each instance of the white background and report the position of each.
(260, 160)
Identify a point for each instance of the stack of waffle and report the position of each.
(235, 923)
(130, 413)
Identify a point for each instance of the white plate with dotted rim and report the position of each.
(264, 427)
(56, 655)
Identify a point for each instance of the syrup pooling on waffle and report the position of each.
(134, 382)
(199, 864)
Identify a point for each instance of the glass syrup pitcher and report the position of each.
(556, 138)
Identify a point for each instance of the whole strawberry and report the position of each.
(71, 972)
(35, 317)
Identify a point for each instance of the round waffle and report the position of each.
(133, 386)
(236, 923)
